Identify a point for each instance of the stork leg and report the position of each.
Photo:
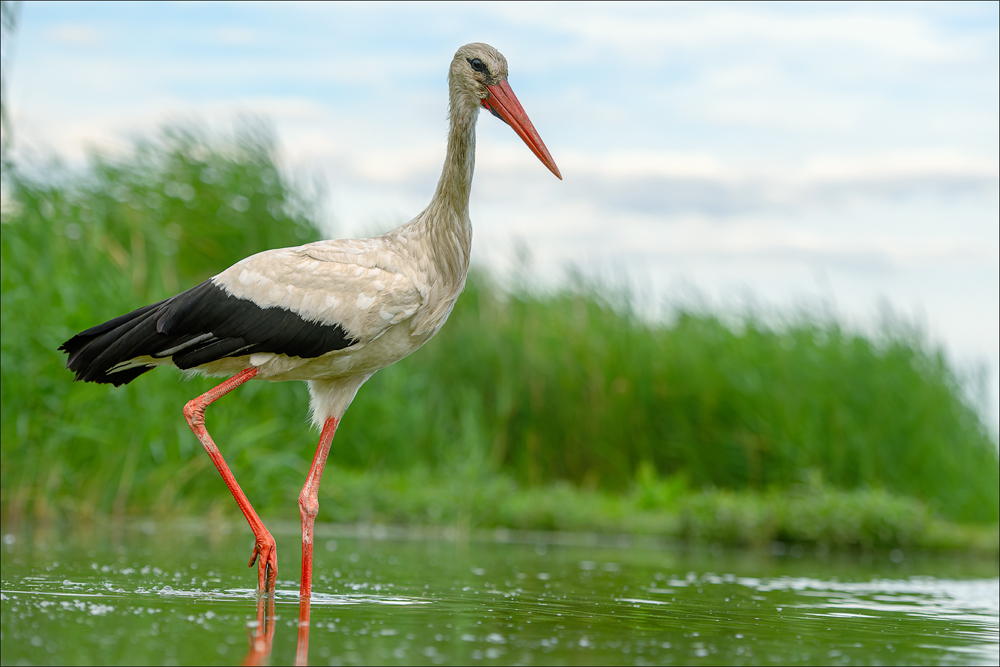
(265, 552)
(309, 508)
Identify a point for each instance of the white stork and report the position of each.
(330, 313)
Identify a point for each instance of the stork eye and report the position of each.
(478, 65)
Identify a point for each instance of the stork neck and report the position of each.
(455, 185)
(447, 225)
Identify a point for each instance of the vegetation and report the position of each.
(809, 515)
(561, 409)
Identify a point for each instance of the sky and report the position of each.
(831, 156)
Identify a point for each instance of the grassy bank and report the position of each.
(810, 515)
(555, 400)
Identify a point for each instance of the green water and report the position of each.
(181, 594)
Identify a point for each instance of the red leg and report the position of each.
(265, 552)
(309, 503)
(309, 508)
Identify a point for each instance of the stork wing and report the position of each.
(350, 284)
(301, 302)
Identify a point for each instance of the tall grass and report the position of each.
(567, 385)
(80, 248)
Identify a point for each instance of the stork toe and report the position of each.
(265, 555)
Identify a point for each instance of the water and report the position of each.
(181, 594)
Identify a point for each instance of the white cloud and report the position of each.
(641, 30)
(74, 34)
(236, 36)
(663, 184)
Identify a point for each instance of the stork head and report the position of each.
(478, 77)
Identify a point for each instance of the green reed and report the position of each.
(558, 394)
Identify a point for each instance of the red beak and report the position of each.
(503, 104)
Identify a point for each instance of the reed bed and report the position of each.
(544, 398)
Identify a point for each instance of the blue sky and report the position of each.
(838, 153)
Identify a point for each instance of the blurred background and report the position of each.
(838, 153)
(750, 179)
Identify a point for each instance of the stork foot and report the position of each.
(265, 555)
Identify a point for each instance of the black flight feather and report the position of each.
(201, 325)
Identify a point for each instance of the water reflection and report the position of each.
(440, 602)
(261, 633)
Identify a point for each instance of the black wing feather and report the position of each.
(234, 326)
